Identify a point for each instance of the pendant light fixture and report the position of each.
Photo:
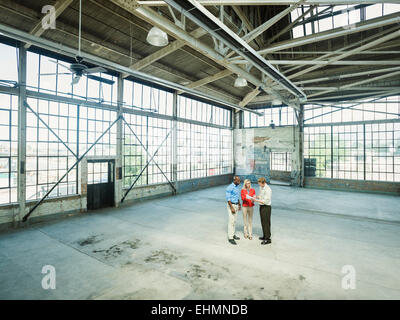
(240, 82)
(157, 37)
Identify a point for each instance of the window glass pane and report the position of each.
(8, 71)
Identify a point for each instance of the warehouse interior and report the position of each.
(123, 122)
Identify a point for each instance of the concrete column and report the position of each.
(21, 137)
(301, 146)
(237, 124)
(175, 141)
(83, 184)
(119, 182)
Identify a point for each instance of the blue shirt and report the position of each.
(232, 193)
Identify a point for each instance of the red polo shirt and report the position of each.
(247, 202)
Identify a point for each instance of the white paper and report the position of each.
(249, 197)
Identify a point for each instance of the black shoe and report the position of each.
(236, 238)
(261, 238)
(268, 241)
(231, 241)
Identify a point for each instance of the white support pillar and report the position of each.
(237, 125)
(301, 146)
(21, 137)
(83, 184)
(119, 181)
(175, 141)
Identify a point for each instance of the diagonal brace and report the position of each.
(50, 129)
(69, 170)
(148, 153)
(147, 164)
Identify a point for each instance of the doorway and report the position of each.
(100, 187)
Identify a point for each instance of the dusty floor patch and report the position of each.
(93, 239)
(161, 256)
(118, 249)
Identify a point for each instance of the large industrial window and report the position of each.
(50, 75)
(281, 161)
(317, 145)
(184, 155)
(279, 116)
(359, 152)
(382, 151)
(147, 98)
(348, 152)
(200, 111)
(323, 18)
(8, 126)
(203, 151)
(8, 148)
(135, 157)
(158, 129)
(152, 133)
(47, 158)
(226, 151)
(9, 70)
(92, 123)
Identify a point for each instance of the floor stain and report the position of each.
(89, 240)
(118, 249)
(161, 256)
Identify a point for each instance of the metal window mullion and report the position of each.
(331, 152)
(147, 147)
(393, 157)
(77, 144)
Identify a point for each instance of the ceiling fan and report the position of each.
(78, 69)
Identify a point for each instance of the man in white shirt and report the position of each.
(264, 199)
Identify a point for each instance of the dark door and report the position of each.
(100, 188)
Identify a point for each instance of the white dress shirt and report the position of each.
(265, 194)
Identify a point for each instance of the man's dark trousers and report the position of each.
(265, 215)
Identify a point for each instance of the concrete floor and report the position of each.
(176, 248)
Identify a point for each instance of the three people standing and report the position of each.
(248, 196)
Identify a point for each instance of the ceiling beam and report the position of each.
(322, 63)
(355, 96)
(157, 3)
(249, 97)
(386, 20)
(366, 52)
(348, 75)
(59, 7)
(357, 83)
(371, 88)
(351, 52)
(350, 46)
(212, 78)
